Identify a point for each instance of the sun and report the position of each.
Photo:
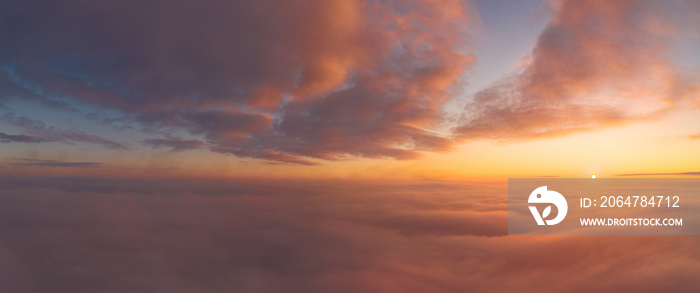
(594, 176)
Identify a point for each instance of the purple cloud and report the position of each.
(52, 163)
(42, 133)
(264, 79)
(7, 138)
(176, 144)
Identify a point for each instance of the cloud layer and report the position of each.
(117, 235)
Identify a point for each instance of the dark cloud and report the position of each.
(67, 135)
(597, 63)
(52, 163)
(223, 125)
(6, 138)
(62, 234)
(265, 79)
(42, 133)
(176, 144)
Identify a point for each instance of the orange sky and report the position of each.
(655, 146)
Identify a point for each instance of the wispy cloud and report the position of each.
(42, 133)
(52, 163)
(661, 174)
(176, 144)
(7, 138)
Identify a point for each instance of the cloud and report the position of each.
(276, 158)
(72, 234)
(694, 136)
(42, 133)
(176, 144)
(52, 163)
(6, 138)
(597, 63)
(68, 135)
(264, 79)
(662, 174)
(333, 80)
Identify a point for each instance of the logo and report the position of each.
(542, 195)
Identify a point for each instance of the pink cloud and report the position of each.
(596, 63)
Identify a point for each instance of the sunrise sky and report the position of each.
(430, 90)
(341, 145)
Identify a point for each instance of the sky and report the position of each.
(400, 90)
